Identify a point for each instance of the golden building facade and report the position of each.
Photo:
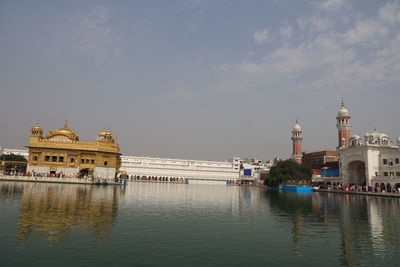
(61, 153)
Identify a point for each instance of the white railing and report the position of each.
(49, 179)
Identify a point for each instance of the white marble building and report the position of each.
(193, 171)
(9, 151)
(373, 161)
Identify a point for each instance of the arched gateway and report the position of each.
(356, 173)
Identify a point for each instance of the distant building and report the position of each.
(61, 152)
(192, 171)
(9, 151)
(321, 159)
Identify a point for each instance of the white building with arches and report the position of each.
(373, 161)
(191, 171)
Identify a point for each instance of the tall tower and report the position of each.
(343, 125)
(297, 138)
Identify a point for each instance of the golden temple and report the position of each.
(60, 153)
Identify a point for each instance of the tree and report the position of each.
(288, 172)
(12, 157)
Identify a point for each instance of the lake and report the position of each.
(157, 224)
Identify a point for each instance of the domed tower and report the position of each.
(37, 130)
(297, 137)
(106, 136)
(343, 125)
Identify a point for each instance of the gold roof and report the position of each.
(37, 128)
(106, 135)
(63, 133)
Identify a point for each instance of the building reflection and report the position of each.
(197, 197)
(293, 207)
(52, 211)
(364, 223)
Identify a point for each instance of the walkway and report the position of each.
(81, 181)
(397, 195)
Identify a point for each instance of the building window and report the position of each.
(397, 174)
(34, 158)
(391, 162)
(92, 161)
(105, 163)
(47, 158)
(54, 158)
(391, 174)
(82, 161)
(384, 161)
(87, 161)
(72, 160)
(397, 160)
(60, 159)
(385, 174)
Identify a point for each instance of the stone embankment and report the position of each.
(377, 194)
(82, 181)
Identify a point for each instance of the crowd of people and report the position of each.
(357, 188)
(44, 175)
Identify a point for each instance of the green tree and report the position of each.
(12, 157)
(288, 172)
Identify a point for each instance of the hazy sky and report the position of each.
(199, 79)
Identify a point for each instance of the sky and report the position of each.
(200, 79)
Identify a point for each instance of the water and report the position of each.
(145, 224)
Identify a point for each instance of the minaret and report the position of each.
(297, 138)
(343, 125)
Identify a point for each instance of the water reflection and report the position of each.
(50, 211)
(365, 224)
(227, 223)
(196, 197)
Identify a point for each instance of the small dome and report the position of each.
(375, 134)
(383, 135)
(343, 112)
(355, 136)
(296, 128)
(377, 138)
(106, 135)
(37, 129)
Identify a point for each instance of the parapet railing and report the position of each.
(55, 179)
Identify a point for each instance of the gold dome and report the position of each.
(106, 135)
(37, 130)
(63, 133)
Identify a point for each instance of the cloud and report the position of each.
(314, 23)
(261, 37)
(365, 30)
(358, 54)
(286, 32)
(88, 33)
(390, 13)
(332, 4)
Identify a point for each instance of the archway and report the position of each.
(388, 188)
(84, 173)
(383, 187)
(356, 173)
(397, 186)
